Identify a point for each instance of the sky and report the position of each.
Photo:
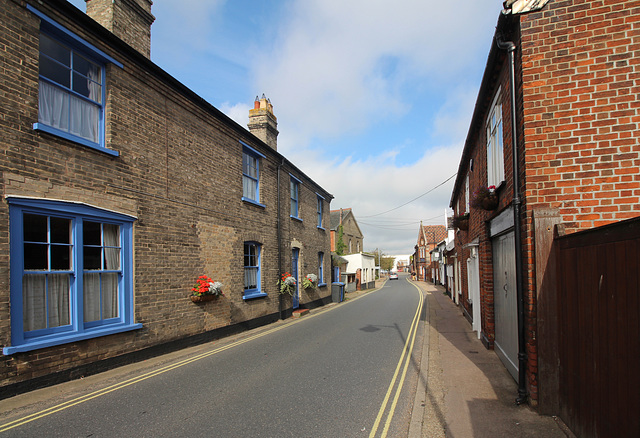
(373, 97)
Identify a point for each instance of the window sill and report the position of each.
(70, 137)
(296, 218)
(252, 295)
(252, 202)
(68, 338)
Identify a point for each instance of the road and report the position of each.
(346, 371)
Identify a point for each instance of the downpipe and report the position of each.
(510, 47)
(279, 232)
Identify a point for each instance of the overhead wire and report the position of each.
(413, 200)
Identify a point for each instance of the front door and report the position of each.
(505, 301)
(473, 280)
(295, 255)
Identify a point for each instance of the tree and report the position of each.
(386, 262)
(340, 245)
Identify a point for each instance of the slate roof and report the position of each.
(334, 216)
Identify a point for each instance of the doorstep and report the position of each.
(298, 313)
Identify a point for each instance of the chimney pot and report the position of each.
(263, 123)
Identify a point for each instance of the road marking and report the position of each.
(405, 358)
(137, 379)
(148, 375)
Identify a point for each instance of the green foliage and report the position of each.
(386, 262)
(340, 245)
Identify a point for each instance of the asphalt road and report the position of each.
(333, 373)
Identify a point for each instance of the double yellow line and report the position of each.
(132, 381)
(405, 358)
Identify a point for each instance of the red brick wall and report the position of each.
(580, 81)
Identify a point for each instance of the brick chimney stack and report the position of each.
(262, 123)
(129, 20)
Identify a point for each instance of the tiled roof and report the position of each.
(439, 232)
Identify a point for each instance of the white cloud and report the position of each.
(239, 113)
(375, 185)
(339, 67)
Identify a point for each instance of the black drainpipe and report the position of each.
(279, 231)
(510, 47)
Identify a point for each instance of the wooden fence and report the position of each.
(598, 289)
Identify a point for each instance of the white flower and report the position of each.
(290, 281)
(215, 288)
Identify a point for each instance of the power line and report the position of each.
(414, 199)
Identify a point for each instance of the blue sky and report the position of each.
(373, 97)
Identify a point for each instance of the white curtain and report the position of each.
(250, 278)
(249, 187)
(101, 288)
(68, 113)
(84, 119)
(91, 296)
(45, 301)
(53, 106)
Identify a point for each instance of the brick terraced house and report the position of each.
(120, 188)
(554, 135)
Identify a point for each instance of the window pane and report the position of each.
(91, 233)
(92, 258)
(109, 295)
(84, 118)
(249, 188)
(55, 50)
(60, 230)
(112, 258)
(35, 228)
(58, 299)
(60, 257)
(111, 234)
(36, 257)
(34, 302)
(250, 166)
(251, 278)
(91, 296)
(86, 68)
(87, 88)
(55, 72)
(53, 106)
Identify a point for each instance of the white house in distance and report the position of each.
(401, 263)
(360, 273)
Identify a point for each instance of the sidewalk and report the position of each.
(464, 389)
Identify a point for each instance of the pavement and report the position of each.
(463, 389)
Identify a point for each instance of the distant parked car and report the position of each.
(393, 276)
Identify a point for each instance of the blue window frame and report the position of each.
(320, 203)
(251, 175)
(71, 273)
(71, 96)
(321, 269)
(252, 271)
(295, 197)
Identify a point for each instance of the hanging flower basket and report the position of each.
(485, 198)
(287, 284)
(461, 222)
(203, 298)
(310, 281)
(205, 290)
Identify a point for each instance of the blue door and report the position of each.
(294, 271)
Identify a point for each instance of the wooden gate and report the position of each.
(598, 292)
(505, 301)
